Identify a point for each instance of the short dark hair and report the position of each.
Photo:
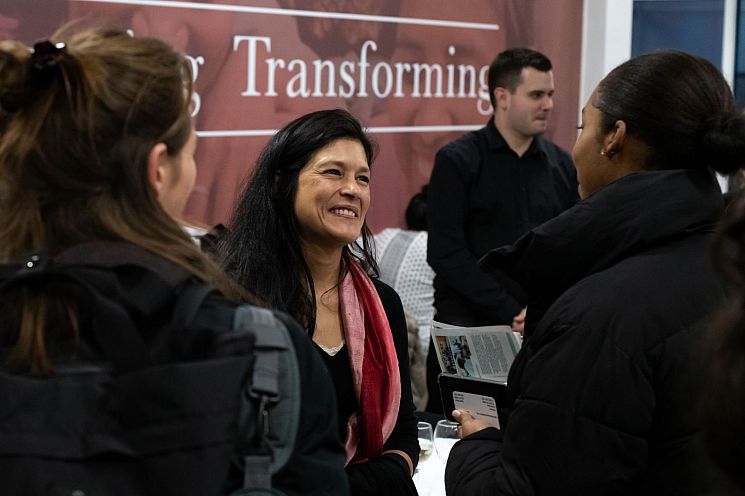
(680, 106)
(506, 69)
(262, 248)
(416, 211)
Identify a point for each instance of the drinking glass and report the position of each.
(425, 440)
(446, 435)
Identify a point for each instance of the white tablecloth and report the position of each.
(429, 478)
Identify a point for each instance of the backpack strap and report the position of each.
(271, 404)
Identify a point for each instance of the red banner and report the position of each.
(413, 71)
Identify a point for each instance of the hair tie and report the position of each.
(46, 54)
(45, 57)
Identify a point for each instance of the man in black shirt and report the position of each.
(488, 188)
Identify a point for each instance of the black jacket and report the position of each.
(620, 287)
(316, 465)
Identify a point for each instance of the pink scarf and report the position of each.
(372, 356)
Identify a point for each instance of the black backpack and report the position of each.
(139, 421)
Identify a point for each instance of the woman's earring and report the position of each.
(602, 153)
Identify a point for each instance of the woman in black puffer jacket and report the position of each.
(621, 288)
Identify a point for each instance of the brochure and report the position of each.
(480, 352)
(475, 362)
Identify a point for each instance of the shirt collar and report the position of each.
(496, 141)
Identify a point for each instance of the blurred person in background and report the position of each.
(488, 188)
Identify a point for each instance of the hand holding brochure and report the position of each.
(475, 362)
(480, 352)
(484, 400)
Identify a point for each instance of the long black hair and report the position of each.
(262, 249)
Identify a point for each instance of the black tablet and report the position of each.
(485, 400)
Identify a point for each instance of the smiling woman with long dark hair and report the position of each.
(291, 242)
